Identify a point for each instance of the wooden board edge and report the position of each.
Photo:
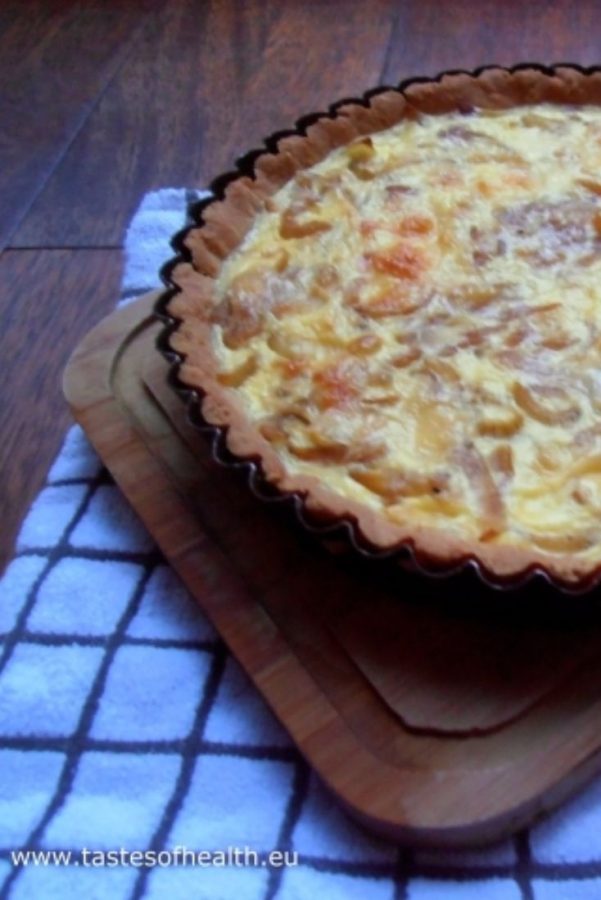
(87, 385)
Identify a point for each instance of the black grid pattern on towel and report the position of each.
(194, 745)
(398, 873)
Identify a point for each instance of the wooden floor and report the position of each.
(103, 100)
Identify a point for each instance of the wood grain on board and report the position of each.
(509, 716)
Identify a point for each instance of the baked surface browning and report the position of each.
(405, 323)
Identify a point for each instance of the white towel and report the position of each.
(125, 724)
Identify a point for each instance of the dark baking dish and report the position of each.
(325, 526)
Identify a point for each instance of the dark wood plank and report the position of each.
(431, 36)
(206, 83)
(56, 57)
(48, 300)
(103, 101)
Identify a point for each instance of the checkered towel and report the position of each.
(125, 723)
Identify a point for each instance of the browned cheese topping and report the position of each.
(416, 322)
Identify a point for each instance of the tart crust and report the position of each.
(226, 221)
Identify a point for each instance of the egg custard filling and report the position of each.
(415, 321)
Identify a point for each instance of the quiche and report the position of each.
(397, 313)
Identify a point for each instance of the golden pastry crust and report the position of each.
(226, 224)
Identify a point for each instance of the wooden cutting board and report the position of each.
(434, 725)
